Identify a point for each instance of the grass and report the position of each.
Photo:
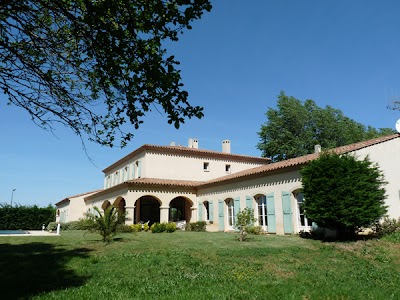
(194, 265)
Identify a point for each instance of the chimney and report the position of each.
(172, 144)
(190, 143)
(195, 144)
(226, 146)
(317, 148)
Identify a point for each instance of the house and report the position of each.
(172, 183)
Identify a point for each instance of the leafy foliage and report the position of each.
(244, 218)
(342, 192)
(68, 61)
(163, 227)
(106, 224)
(294, 128)
(386, 227)
(199, 226)
(25, 217)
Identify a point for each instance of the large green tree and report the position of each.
(343, 192)
(94, 65)
(294, 128)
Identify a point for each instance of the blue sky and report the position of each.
(234, 62)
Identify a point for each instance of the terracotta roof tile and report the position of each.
(79, 195)
(164, 182)
(294, 162)
(190, 151)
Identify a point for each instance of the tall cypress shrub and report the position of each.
(343, 192)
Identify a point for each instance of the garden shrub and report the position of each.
(161, 227)
(25, 217)
(52, 226)
(146, 227)
(251, 229)
(199, 226)
(123, 228)
(170, 227)
(386, 227)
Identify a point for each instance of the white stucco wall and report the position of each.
(275, 184)
(181, 167)
(387, 156)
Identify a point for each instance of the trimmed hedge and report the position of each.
(25, 217)
(199, 226)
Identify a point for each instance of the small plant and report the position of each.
(199, 226)
(251, 229)
(386, 227)
(106, 223)
(244, 218)
(170, 227)
(146, 227)
(52, 226)
(124, 228)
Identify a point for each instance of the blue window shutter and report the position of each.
(236, 205)
(287, 213)
(271, 213)
(249, 202)
(221, 224)
(133, 171)
(200, 212)
(211, 210)
(139, 172)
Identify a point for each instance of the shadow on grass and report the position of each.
(29, 269)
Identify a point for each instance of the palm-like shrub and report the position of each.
(106, 224)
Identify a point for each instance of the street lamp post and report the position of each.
(12, 195)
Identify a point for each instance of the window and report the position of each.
(303, 222)
(206, 166)
(207, 210)
(262, 212)
(116, 177)
(230, 214)
(227, 168)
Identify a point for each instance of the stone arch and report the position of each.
(120, 205)
(105, 204)
(180, 209)
(147, 209)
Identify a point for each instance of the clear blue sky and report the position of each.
(234, 62)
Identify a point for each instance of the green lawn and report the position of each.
(190, 265)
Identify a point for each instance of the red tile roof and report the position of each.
(79, 195)
(298, 161)
(277, 167)
(190, 152)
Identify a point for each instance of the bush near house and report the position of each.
(199, 226)
(244, 218)
(343, 193)
(163, 227)
(25, 217)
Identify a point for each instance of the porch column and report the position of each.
(195, 215)
(130, 217)
(164, 211)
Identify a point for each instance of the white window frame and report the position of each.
(262, 202)
(307, 223)
(206, 166)
(230, 214)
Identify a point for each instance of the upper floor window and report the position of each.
(227, 168)
(206, 166)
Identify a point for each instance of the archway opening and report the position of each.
(180, 210)
(105, 205)
(120, 204)
(230, 213)
(147, 209)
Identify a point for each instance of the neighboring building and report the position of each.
(172, 183)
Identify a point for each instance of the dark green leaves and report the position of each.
(95, 65)
(343, 192)
(294, 128)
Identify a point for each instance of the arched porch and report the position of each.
(147, 209)
(180, 209)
